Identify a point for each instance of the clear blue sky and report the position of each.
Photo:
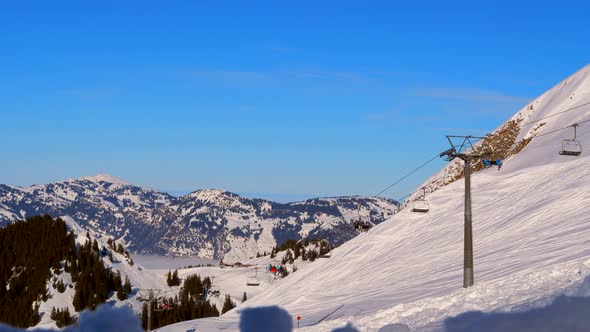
(272, 99)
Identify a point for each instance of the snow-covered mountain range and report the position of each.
(206, 223)
(531, 233)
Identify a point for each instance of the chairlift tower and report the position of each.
(462, 152)
(149, 295)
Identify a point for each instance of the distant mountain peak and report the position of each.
(105, 178)
(210, 194)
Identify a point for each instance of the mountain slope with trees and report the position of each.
(34, 251)
(205, 223)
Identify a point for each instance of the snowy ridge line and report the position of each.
(560, 129)
(554, 114)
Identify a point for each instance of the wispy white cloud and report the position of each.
(401, 116)
(469, 94)
(282, 75)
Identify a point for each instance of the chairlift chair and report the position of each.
(214, 291)
(165, 306)
(488, 162)
(420, 204)
(360, 225)
(571, 147)
(253, 281)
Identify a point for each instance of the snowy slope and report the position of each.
(228, 280)
(531, 240)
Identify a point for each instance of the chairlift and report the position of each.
(571, 147)
(488, 162)
(253, 281)
(360, 225)
(201, 297)
(214, 291)
(165, 306)
(420, 204)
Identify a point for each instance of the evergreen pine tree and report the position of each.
(60, 286)
(121, 295)
(244, 298)
(227, 304)
(175, 279)
(78, 302)
(127, 286)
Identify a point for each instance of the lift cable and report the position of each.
(437, 156)
(560, 129)
(405, 176)
(247, 270)
(555, 114)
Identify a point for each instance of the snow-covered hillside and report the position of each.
(205, 223)
(531, 226)
(226, 280)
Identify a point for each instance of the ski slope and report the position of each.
(531, 227)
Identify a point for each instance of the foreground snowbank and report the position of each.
(563, 314)
(105, 318)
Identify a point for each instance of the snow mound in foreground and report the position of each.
(265, 319)
(105, 318)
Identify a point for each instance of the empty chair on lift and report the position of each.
(420, 204)
(253, 281)
(571, 147)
